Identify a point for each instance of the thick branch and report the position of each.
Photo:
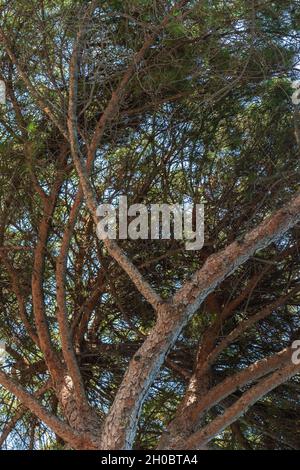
(200, 438)
(222, 264)
(59, 427)
(188, 421)
(121, 422)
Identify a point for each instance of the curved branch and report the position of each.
(58, 426)
(201, 438)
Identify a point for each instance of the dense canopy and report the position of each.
(141, 343)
